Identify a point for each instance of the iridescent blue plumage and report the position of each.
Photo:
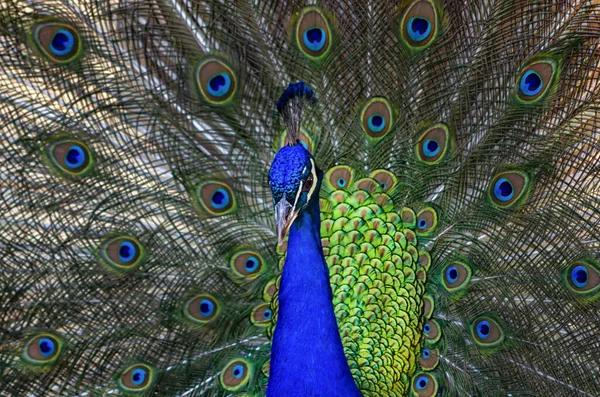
(307, 338)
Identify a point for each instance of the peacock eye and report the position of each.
(216, 198)
(235, 374)
(376, 117)
(583, 277)
(424, 385)
(307, 184)
(426, 221)
(261, 315)
(42, 349)
(429, 359)
(58, 42)
(70, 157)
(339, 177)
(433, 144)
(536, 80)
(419, 24)
(508, 188)
(201, 309)
(313, 34)
(487, 332)
(216, 81)
(456, 276)
(122, 253)
(247, 264)
(136, 378)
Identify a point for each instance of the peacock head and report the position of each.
(294, 179)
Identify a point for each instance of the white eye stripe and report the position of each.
(313, 171)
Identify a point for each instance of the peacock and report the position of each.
(329, 198)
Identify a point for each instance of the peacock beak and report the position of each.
(284, 217)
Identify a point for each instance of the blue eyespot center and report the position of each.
(238, 371)
(219, 85)
(220, 198)
(268, 314)
(127, 251)
(251, 264)
(483, 329)
(452, 274)
(426, 353)
(422, 382)
(75, 157)
(341, 182)
(531, 83)
(503, 190)
(138, 376)
(207, 308)
(431, 148)
(579, 276)
(422, 224)
(47, 347)
(376, 122)
(427, 328)
(314, 39)
(383, 185)
(418, 28)
(62, 42)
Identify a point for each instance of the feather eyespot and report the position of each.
(536, 79)
(387, 181)
(428, 306)
(487, 332)
(429, 359)
(261, 315)
(42, 349)
(456, 276)
(419, 24)
(583, 277)
(432, 331)
(509, 188)
(433, 144)
(424, 260)
(339, 177)
(368, 185)
(216, 81)
(426, 223)
(202, 309)
(70, 157)
(236, 374)
(313, 33)
(215, 198)
(376, 117)
(408, 217)
(136, 378)
(270, 290)
(122, 253)
(424, 385)
(247, 264)
(57, 41)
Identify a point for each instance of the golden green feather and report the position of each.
(377, 294)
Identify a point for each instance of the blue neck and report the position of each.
(307, 358)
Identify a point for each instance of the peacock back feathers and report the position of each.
(459, 202)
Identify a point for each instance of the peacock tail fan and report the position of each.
(459, 207)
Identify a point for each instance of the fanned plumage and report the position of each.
(459, 197)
